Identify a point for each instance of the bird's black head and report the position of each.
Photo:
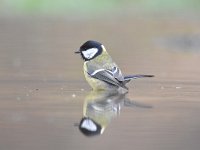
(90, 49)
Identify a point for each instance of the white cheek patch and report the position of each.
(90, 53)
(88, 124)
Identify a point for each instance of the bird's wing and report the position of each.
(117, 74)
(106, 76)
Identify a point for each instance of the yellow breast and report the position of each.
(95, 83)
(101, 62)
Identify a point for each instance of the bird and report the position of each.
(100, 71)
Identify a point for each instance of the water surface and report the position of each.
(42, 88)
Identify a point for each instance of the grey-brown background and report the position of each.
(42, 87)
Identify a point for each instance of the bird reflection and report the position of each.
(100, 107)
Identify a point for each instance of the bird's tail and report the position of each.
(129, 77)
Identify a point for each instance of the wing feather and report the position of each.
(106, 76)
(117, 74)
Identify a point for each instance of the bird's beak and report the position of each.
(77, 52)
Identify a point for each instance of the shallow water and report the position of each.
(43, 90)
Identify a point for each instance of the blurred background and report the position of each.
(60, 27)
(87, 8)
(42, 87)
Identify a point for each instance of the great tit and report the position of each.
(100, 71)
